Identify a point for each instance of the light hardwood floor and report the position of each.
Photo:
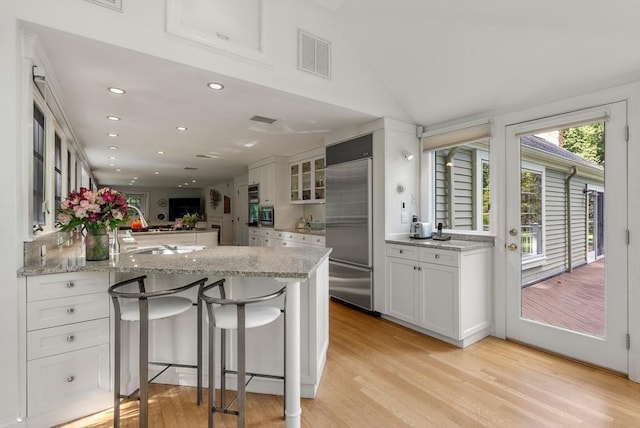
(379, 374)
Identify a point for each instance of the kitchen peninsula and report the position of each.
(54, 282)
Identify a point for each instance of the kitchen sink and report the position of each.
(166, 249)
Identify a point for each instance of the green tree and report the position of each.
(586, 141)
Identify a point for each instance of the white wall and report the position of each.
(13, 219)
(225, 189)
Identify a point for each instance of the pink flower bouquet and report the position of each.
(96, 211)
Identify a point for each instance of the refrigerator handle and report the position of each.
(350, 265)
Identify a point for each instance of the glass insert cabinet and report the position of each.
(307, 180)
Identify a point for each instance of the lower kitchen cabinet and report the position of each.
(443, 293)
(277, 238)
(67, 346)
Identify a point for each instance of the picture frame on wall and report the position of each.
(227, 205)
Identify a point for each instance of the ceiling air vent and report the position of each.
(314, 54)
(190, 168)
(263, 119)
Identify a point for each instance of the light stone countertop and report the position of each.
(452, 245)
(271, 262)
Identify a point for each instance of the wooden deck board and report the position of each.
(572, 300)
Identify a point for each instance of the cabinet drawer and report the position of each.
(64, 379)
(55, 312)
(286, 235)
(57, 340)
(402, 252)
(317, 240)
(440, 257)
(45, 287)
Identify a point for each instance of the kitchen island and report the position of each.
(248, 270)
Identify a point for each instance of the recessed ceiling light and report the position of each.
(157, 172)
(181, 128)
(160, 152)
(179, 185)
(111, 134)
(186, 184)
(112, 164)
(114, 118)
(250, 144)
(135, 178)
(112, 157)
(216, 86)
(113, 147)
(118, 169)
(130, 184)
(117, 91)
(193, 181)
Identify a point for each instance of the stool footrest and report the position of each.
(267, 376)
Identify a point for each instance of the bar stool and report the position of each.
(234, 314)
(144, 307)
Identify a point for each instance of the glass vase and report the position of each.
(96, 245)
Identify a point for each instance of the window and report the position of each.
(57, 171)
(39, 158)
(531, 213)
(456, 177)
(461, 187)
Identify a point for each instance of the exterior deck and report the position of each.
(571, 300)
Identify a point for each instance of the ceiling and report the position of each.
(441, 61)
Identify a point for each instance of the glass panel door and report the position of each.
(561, 295)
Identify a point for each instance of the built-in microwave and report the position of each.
(266, 216)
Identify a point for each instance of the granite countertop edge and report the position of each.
(266, 262)
(452, 245)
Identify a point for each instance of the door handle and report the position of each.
(512, 247)
(513, 231)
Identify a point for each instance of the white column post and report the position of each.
(292, 370)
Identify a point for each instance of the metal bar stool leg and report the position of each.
(223, 369)
(212, 373)
(242, 368)
(143, 360)
(116, 369)
(199, 357)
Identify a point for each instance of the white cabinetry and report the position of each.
(444, 293)
(276, 238)
(265, 176)
(307, 180)
(176, 238)
(67, 338)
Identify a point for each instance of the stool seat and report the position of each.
(226, 316)
(161, 307)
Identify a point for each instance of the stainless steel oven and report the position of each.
(266, 216)
(254, 205)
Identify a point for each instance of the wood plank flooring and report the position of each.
(572, 300)
(380, 374)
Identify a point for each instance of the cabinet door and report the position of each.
(294, 182)
(439, 308)
(268, 184)
(403, 279)
(255, 175)
(318, 172)
(64, 379)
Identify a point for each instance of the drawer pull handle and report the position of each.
(70, 379)
(401, 251)
(437, 256)
(414, 268)
(419, 268)
(70, 284)
(71, 338)
(70, 310)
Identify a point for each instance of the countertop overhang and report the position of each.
(271, 262)
(452, 244)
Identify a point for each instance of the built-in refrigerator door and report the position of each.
(351, 284)
(349, 211)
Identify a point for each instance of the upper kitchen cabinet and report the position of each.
(272, 174)
(265, 176)
(307, 180)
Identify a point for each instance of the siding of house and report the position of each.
(555, 227)
(463, 200)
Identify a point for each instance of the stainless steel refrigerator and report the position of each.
(349, 227)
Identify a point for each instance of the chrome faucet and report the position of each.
(143, 220)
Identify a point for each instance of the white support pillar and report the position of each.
(293, 411)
